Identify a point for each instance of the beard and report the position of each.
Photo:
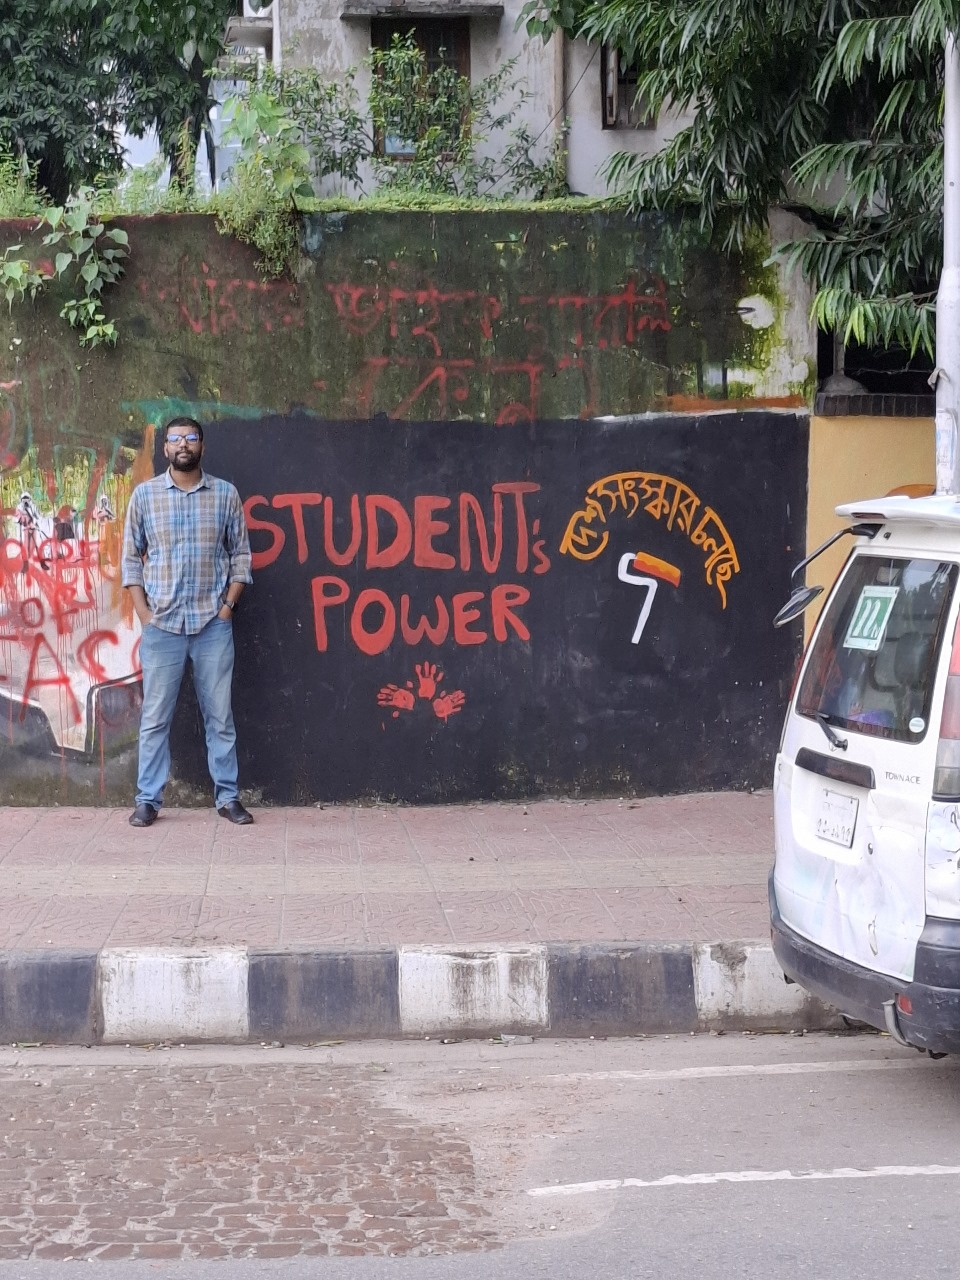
(183, 462)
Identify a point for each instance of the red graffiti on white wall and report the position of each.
(69, 643)
(62, 636)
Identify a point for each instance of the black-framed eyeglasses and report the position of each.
(192, 438)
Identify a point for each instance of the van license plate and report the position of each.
(837, 818)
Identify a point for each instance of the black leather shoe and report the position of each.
(234, 812)
(144, 815)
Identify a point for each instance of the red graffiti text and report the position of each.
(432, 533)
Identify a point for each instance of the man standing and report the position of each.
(186, 559)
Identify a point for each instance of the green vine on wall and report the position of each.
(91, 258)
(273, 172)
(18, 276)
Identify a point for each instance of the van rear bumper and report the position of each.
(861, 994)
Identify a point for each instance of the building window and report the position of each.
(444, 42)
(618, 83)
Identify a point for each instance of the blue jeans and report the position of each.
(163, 656)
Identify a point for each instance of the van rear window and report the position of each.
(874, 663)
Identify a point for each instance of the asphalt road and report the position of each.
(706, 1157)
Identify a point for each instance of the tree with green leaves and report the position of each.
(73, 73)
(166, 57)
(60, 99)
(833, 107)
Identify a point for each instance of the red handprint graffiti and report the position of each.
(448, 704)
(391, 695)
(429, 678)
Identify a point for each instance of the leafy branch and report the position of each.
(91, 257)
(272, 173)
(18, 277)
(832, 107)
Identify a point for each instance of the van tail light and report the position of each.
(946, 779)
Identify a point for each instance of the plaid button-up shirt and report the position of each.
(185, 547)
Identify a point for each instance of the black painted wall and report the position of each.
(538, 684)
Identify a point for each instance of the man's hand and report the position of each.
(225, 614)
(141, 608)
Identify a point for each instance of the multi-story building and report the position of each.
(585, 89)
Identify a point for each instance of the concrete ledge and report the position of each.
(229, 994)
(478, 990)
(49, 996)
(162, 993)
(308, 995)
(606, 989)
(740, 987)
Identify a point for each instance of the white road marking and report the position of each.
(848, 1066)
(750, 1175)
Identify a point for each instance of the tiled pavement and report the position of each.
(682, 868)
(277, 1161)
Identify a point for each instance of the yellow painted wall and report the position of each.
(853, 458)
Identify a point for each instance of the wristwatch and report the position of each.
(231, 604)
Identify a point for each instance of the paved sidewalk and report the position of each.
(675, 869)
(554, 917)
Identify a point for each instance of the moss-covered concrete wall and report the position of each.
(461, 346)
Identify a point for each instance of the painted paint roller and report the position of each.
(656, 568)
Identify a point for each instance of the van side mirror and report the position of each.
(801, 598)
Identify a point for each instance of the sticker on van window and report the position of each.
(869, 622)
(917, 724)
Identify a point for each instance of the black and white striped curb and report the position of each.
(237, 994)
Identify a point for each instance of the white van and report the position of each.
(865, 891)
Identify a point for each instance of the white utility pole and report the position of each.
(948, 296)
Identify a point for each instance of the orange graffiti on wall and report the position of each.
(664, 498)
